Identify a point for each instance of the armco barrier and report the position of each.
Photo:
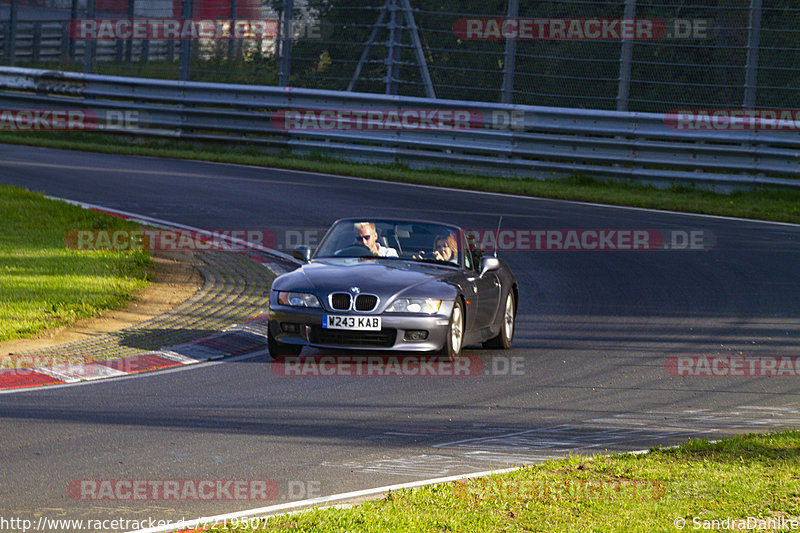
(541, 142)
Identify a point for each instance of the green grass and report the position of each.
(760, 203)
(746, 476)
(43, 284)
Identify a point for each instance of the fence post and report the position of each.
(90, 47)
(368, 47)
(11, 44)
(37, 42)
(129, 42)
(73, 14)
(65, 39)
(287, 34)
(144, 54)
(753, 39)
(509, 65)
(393, 57)
(231, 41)
(423, 65)
(625, 57)
(186, 44)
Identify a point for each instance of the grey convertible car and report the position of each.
(401, 285)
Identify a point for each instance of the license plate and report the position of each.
(358, 323)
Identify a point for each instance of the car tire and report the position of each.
(504, 339)
(455, 332)
(280, 350)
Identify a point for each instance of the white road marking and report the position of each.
(417, 465)
(316, 502)
(165, 224)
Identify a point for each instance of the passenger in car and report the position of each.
(367, 234)
(445, 248)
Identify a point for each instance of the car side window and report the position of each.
(468, 263)
(472, 255)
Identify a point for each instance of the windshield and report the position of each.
(419, 241)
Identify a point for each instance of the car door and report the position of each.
(486, 289)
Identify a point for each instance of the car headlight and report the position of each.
(297, 299)
(424, 306)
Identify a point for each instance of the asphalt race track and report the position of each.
(595, 334)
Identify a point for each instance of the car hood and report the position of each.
(384, 277)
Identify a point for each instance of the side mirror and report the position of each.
(489, 263)
(303, 253)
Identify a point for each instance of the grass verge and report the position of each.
(43, 284)
(749, 481)
(760, 203)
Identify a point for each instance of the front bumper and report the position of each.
(309, 331)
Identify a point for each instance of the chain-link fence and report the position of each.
(653, 55)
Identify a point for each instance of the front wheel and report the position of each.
(455, 332)
(279, 350)
(503, 339)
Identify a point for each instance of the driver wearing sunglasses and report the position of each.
(367, 235)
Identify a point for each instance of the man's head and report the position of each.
(367, 235)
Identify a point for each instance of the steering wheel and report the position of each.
(354, 250)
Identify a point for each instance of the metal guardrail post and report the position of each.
(287, 35)
(625, 58)
(753, 39)
(186, 44)
(90, 48)
(510, 62)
